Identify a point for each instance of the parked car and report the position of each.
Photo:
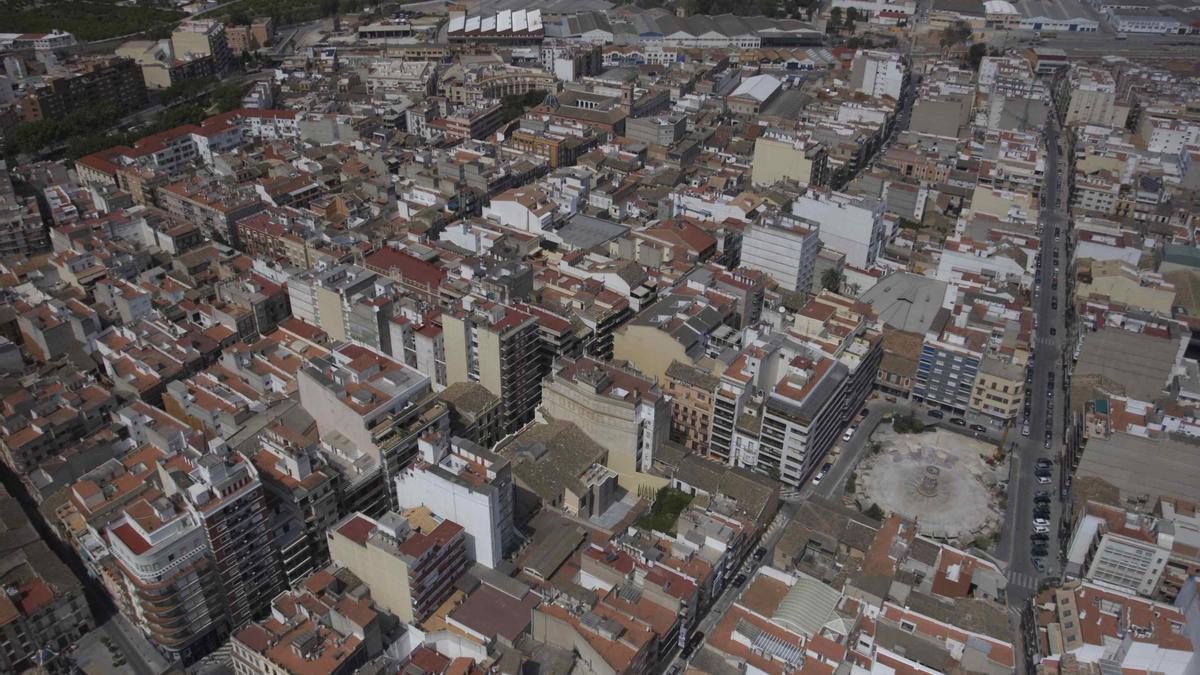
(1041, 530)
(1043, 493)
(1041, 521)
(1044, 480)
(958, 421)
(739, 580)
(978, 428)
(1053, 330)
(1043, 463)
(759, 553)
(1039, 536)
(1054, 303)
(821, 474)
(848, 435)
(1039, 565)
(1025, 429)
(936, 414)
(1038, 551)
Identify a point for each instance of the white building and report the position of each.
(1148, 20)
(783, 246)
(850, 225)
(876, 73)
(527, 209)
(461, 481)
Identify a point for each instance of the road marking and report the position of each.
(1026, 581)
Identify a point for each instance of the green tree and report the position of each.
(874, 512)
(959, 32)
(975, 54)
(835, 20)
(831, 280)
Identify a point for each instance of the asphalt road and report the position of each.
(1046, 412)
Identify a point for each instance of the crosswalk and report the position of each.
(1026, 581)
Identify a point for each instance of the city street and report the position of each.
(1045, 412)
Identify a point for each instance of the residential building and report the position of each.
(202, 37)
(458, 479)
(620, 409)
(784, 247)
(850, 225)
(496, 346)
(410, 561)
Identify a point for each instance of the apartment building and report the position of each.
(200, 38)
(782, 157)
(301, 498)
(329, 626)
(195, 558)
(950, 361)
(844, 223)
(1092, 98)
(366, 403)
(620, 409)
(497, 346)
(409, 560)
(802, 417)
(22, 231)
(784, 246)
(43, 606)
(693, 395)
(461, 480)
(106, 79)
(999, 392)
(317, 297)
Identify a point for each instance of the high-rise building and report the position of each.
(849, 224)
(620, 409)
(465, 482)
(785, 247)
(410, 561)
(22, 231)
(498, 347)
(202, 37)
(195, 558)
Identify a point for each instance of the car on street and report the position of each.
(936, 414)
(739, 580)
(821, 474)
(958, 421)
(1053, 331)
(1041, 531)
(1054, 285)
(1053, 305)
(1041, 499)
(1038, 551)
(978, 428)
(1043, 494)
(1044, 480)
(848, 435)
(1041, 521)
(759, 553)
(1025, 429)
(1039, 565)
(1039, 536)
(1043, 463)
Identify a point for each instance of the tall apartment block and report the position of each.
(202, 37)
(496, 346)
(783, 246)
(195, 557)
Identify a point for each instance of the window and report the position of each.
(907, 626)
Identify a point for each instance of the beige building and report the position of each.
(777, 159)
(624, 412)
(1125, 285)
(999, 391)
(410, 562)
(202, 37)
(496, 346)
(693, 393)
